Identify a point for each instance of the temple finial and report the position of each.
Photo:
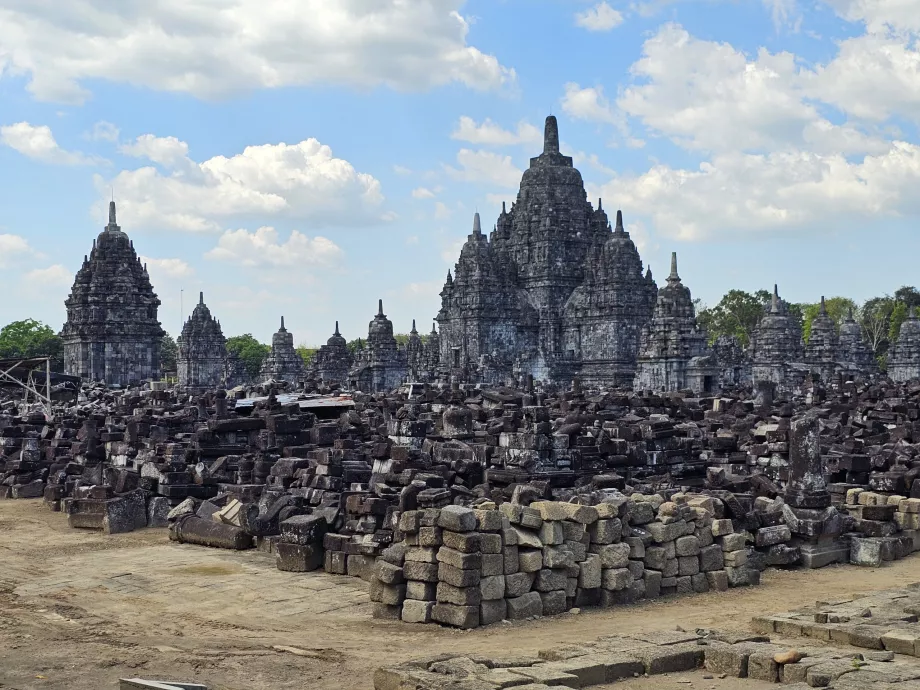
(648, 273)
(620, 221)
(851, 313)
(112, 213)
(913, 313)
(477, 226)
(503, 207)
(551, 135)
(823, 311)
(336, 328)
(379, 307)
(774, 302)
(433, 330)
(600, 205)
(282, 323)
(201, 297)
(673, 277)
(413, 327)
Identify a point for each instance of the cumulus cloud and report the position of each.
(167, 151)
(738, 194)
(38, 142)
(302, 181)
(485, 167)
(104, 131)
(601, 17)
(422, 193)
(588, 104)
(210, 50)
(175, 268)
(52, 276)
(771, 158)
(705, 95)
(13, 249)
(264, 248)
(491, 134)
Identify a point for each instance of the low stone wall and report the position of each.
(469, 567)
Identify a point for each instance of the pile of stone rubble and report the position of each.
(672, 493)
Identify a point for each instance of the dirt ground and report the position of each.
(79, 609)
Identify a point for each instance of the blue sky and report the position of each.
(307, 158)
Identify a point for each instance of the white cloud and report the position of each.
(588, 104)
(422, 193)
(301, 181)
(52, 276)
(737, 194)
(13, 248)
(491, 134)
(212, 49)
(485, 167)
(601, 17)
(451, 252)
(167, 151)
(879, 16)
(263, 248)
(441, 212)
(401, 170)
(38, 142)
(709, 96)
(874, 76)
(104, 131)
(174, 268)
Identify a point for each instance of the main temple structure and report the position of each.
(112, 333)
(554, 292)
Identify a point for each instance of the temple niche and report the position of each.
(112, 333)
(202, 357)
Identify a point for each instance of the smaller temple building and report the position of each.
(202, 357)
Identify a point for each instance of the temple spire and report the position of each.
(380, 307)
(600, 205)
(282, 324)
(112, 222)
(551, 135)
(674, 277)
(433, 330)
(503, 207)
(413, 331)
(774, 303)
(201, 297)
(823, 311)
(619, 226)
(477, 226)
(336, 328)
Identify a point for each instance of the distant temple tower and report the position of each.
(674, 354)
(202, 357)
(283, 363)
(777, 350)
(332, 361)
(381, 365)
(904, 353)
(112, 333)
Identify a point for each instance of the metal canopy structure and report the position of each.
(33, 375)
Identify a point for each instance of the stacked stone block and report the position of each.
(468, 567)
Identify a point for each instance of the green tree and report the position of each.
(250, 350)
(355, 345)
(169, 352)
(737, 314)
(875, 321)
(306, 353)
(838, 308)
(31, 338)
(898, 316)
(908, 295)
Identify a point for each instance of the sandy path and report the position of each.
(80, 609)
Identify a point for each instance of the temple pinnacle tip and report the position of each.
(380, 307)
(551, 135)
(477, 226)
